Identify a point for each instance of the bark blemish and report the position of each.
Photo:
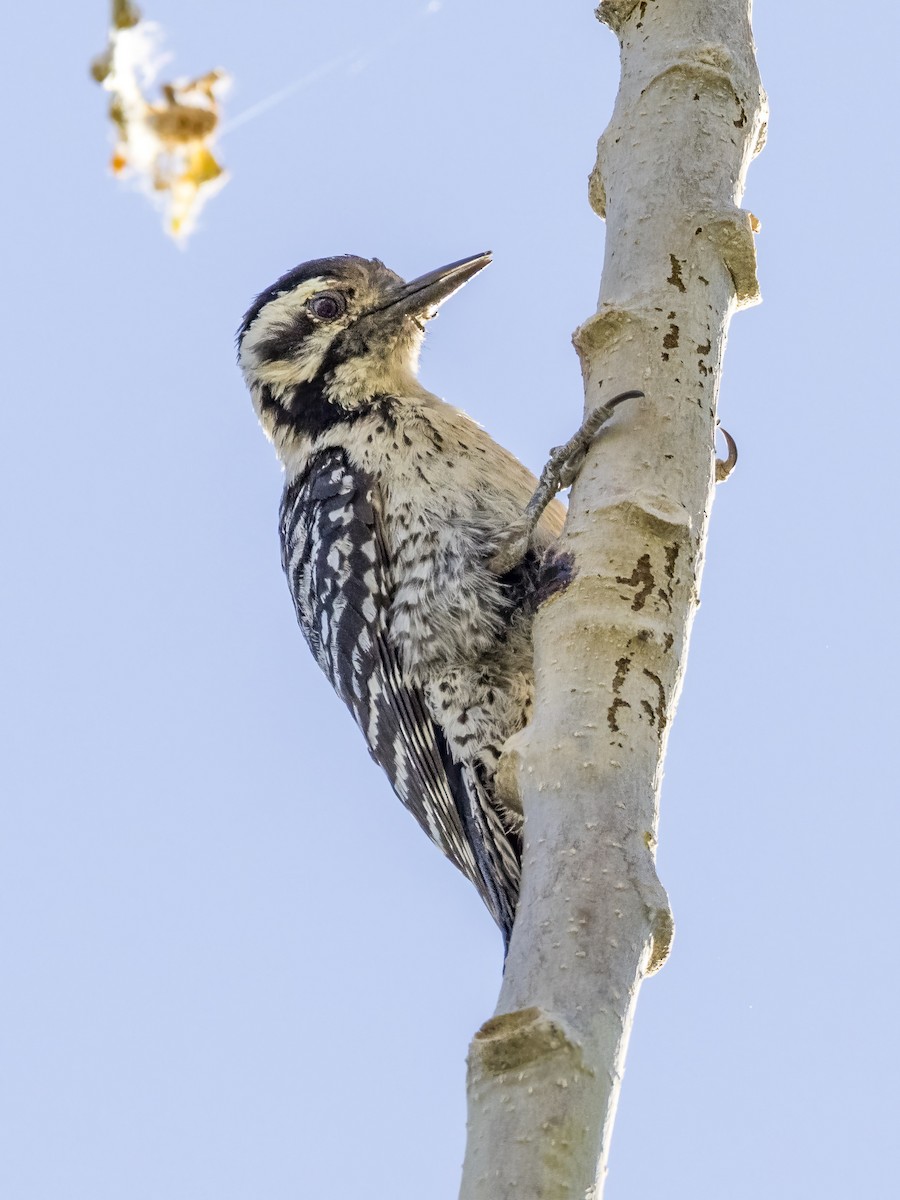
(675, 278)
(557, 572)
(622, 667)
(611, 713)
(666, 593)
(705, 348)
(670, 341)
(649, 710)
(660, 708)
(641, 577)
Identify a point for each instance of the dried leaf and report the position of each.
(164, 145)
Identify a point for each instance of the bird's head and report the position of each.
(336, 332)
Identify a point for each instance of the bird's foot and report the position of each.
(560, 472)
(513, 546)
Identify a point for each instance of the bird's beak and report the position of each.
(423, 296)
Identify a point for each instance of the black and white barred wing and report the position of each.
(334, 557)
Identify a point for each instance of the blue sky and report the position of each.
(232, 965)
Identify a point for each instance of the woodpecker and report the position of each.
(411, 550)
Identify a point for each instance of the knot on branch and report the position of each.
(615, 13)
(660, 938)
(597, 188)
(732, 234)
(607, 326)
(517, 1040)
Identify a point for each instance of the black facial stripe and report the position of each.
(348, 343)
(305, 409)
(285, 339)
(351, 342)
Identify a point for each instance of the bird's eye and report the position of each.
(327, 306)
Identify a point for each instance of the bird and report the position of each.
(414, 545)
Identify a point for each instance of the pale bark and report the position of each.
(610, 650)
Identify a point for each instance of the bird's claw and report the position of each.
(724, 466)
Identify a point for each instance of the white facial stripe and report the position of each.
(285, 307)
(281, 311)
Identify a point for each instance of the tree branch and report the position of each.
(593, 919)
